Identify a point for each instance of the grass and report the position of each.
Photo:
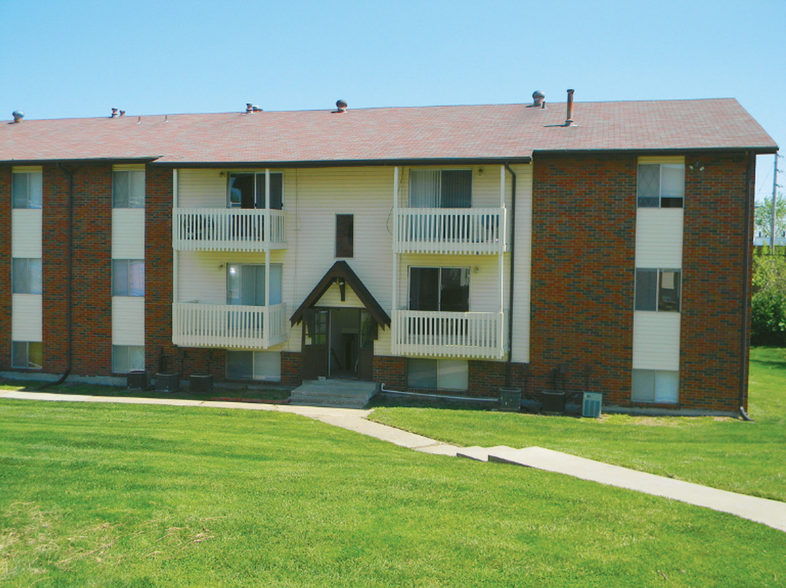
(238, 392)
(118, 495)
(725, 453)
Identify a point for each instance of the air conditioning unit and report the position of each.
(167, 382)
(591, 407)
(138, 380)
(201, 383)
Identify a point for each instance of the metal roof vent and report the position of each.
(538, 99)
(18, 116)
(252, 108)
(569, 120)
(341, 105)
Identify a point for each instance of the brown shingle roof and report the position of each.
(494, 132)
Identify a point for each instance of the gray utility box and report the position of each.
(591, 407)
(510, 399)
(201, 383)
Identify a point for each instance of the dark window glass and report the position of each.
(454, 290)
(27, 190)
(669, 295)
(240, 365)
(444, 289)
(128, 277)
(456, 189)
(345, 235)
(646, 289)
(424, 288)
(27, 355)
(128, 189)
(276, 191)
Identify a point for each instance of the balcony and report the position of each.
(227, 229)
(219, 325)
(477, 231)
(476, 335)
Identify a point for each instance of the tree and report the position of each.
(768, 306)
(762, 218)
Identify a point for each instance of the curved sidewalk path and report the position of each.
(768, 512)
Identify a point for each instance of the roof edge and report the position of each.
(348, 162)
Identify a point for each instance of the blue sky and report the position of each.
(82, 57)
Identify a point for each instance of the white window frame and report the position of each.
(134, 179)
(120, 266)
(661, 197)
(659, 287)
(27, 344)
(37, 201)
(36, 267)
(118, 351)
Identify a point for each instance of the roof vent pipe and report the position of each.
(341, 106)
(569, 120)
(538, 99)
(18, 116)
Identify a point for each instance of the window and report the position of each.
(28, 355)
(345, 235)
(128, 189)
(246, 284)
(254, 365)
(248, 190)
(658, 289)
(438, 374)
(128, 358)
(661, 185)
(27, 276)
(655, 386)
(443, 289)
(128, 277)
(27, 190)
(440, 188)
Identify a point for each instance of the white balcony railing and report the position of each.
(226, 229)
(449, 334)
(450, 230)
(220, 325)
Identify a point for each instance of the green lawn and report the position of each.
(724, 453)
(117, 495)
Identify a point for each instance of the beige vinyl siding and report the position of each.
(27, 169)
(128, 233)
(26, 225)
(201, 188)
(522, 277)
(659, 238)
(663, 159)
(656, 340)
(128, 167)
(128, 320)
(27, 317)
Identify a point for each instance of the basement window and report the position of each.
(128, 358)
(254, 365)
(27, 190)
(661, 185)
(438, 374)
(660, 386)
(658, 290)
(27, 355)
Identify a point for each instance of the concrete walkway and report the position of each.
(760, 510)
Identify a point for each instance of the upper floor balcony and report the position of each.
(226, 325)
(228, 229)
(477, 231)
(470, 335)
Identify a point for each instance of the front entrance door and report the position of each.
(337, 343)
(315, 343)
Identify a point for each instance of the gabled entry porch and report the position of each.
(337, 338)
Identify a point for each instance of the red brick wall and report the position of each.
(713, 291)
(5, 268)
(392, 371)
(159, 271)
(290, 368)
(583, 256)
(91, 319)
(55, 269)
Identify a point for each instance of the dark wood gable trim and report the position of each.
(341, 270)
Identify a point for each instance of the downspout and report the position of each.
(70, 172)
(745, 337)
(509, 365)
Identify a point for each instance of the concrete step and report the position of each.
(480, 453)
(334, 393)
